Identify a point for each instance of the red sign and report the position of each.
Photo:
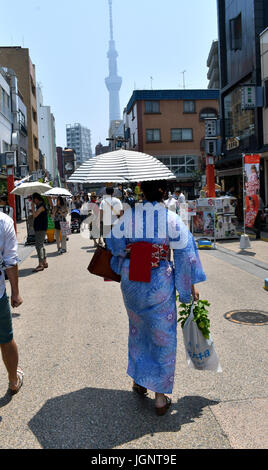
(252, 187)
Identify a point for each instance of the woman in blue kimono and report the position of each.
(140, 244)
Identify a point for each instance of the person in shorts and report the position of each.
(9, 264)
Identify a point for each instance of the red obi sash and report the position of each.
(145, 256)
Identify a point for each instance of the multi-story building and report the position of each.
(169, 125)
(69, 162)
(79, 139)
(264, 74)
(13, 128)
(47, 135)
(239, 25)
(5, 113)
(100, 149)
(13, 120)
(213, 67)
(59, 151)
(18, 59)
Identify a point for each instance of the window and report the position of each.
(22, 118)
(236, 33)
(180, 135)
(181, 165)
(5, 146)
(237, 122)
(187, 166)
(35, 142)
(153, 135)
(208, 113)
(165, 160)
(33, 88)
(152, 107)
(189, 106)
(22, 157)
(4, 101)
(34, 115)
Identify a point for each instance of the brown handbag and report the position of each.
(100, 265)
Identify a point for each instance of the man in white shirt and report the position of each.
(171, 203)
(180, 197)
(110, 210)
(9, 263)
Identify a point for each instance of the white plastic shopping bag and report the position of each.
(200, 352)
(65, 228)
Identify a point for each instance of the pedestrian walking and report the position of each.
(84, 211)
(259, 219)
(148, 283)
(171, 202)
(94, 226)
(59, 214)
(40, 227)
(129, 199)
(111, 209)
(9, 261)
(181, 197)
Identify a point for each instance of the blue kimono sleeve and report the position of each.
(117, 247)
(188, 269)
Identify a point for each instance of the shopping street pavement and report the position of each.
(72, 333)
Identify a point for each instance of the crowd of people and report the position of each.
(149, 280)
(155, 342)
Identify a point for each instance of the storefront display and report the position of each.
(215, 217)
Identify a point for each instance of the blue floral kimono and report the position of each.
(151, 307)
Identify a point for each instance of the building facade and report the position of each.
(59, 151)
(69, 162)
(47, 135)
(213, 67)
(5, 114)
(264, 77)
(100, 149)
(79, 139)
(13, 121)
(169, 125)
(18, 59)
(241, 97)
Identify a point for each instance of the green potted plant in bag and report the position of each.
(200, 313)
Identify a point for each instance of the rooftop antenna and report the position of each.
(183, 73)
(151, 82)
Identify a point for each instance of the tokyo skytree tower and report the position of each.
(113, 82)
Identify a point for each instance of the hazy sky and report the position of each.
(68, 42)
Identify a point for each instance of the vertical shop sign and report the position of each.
(252, 188)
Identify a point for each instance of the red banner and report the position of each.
(252, 187)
